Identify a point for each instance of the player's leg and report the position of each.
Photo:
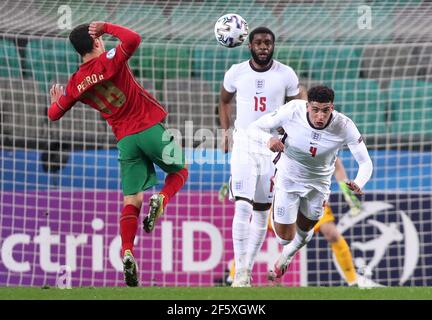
(159, 146)
(283, 222)
(303, 234)
(242, 189)
(257, 232)
(137, 174)
(261, 207)
(311, 210)
(129, 220)
(339, 246)
(128, 230)
(240, 234)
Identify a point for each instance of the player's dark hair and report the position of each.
(261, 30)
(320, 94)
(81, 39)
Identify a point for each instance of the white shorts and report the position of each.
(251, 176)
(286, 204)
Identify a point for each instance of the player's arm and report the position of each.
(342, 179)
(130, 40)
(361, 155)
(260, 129)
(295, 90)
(301, 95)
(225, 116)
(60, 102)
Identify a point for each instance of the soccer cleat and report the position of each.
(130, 269)
(242, 279)
(275, 276)
(231, 272)
(223, 192)
(156, 210)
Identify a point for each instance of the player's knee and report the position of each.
(133, 200)
(332, 237)
(284, 237)
(243, 210)
(330, 232)
(282, 240)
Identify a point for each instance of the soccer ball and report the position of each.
(231, 30)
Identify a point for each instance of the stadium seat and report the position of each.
(25, 17)
(385, 62)
(146, 19)
(320, 25)
(363, 102)
(193, 23)
(162, 61)
(23, 113)
(186, 16)
(86, 12)
(190, 100)
(256, 15)
(293, 57)
(412, 24)
(49, 59)
(354, 27)
(210, 63)
(9, 59)
(411, 107)
(333, 63)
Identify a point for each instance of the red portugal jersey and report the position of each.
(107, 84)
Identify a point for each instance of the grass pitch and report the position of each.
(216, 293)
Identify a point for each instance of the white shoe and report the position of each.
(364, 282)
(242, 279)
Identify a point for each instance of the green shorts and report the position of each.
(140, 151)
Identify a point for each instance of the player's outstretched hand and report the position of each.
(55, 92)
(223, 192)
(275, 145)
(353, 202)
(354, 187)
(96, 29)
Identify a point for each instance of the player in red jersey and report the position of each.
(105, 82)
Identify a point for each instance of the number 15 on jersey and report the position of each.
(260, 103)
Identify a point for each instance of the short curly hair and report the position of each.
(261, 30)
(320, 94)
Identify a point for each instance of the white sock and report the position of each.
(279, 239)
(240, 232)
(257, 233)
(300, 239)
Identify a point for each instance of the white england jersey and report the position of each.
(310, 153)
(258, 93)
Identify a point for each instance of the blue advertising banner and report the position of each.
(390, 241)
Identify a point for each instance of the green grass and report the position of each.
(217, 293)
